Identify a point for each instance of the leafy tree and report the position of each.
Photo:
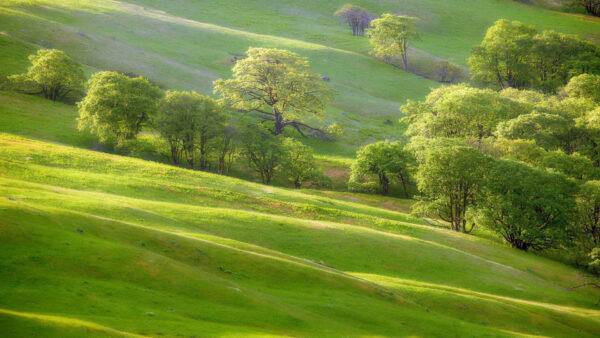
(588, 212)
(556, 57)
(298, 163)
(573, 165)
(117, 106)
(388, 161)
(459, 111)
(530, 208)
(548, 130)
(585, 86)
(356, 17)
(589, 125)
(521, 150)
(390, 35)
(277, 86)
(501, 59)
(450, 179)
(52, 73)
(516, 55)
(263, 150)
(189, 122)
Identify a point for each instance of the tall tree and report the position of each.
(298, 163)
(117, 106)
(52, 73)
(356, 17)
(277, 86)
(390, 35)
(501, 59)
(189, 122)
(388, 161)
(530, 208)
(450, 179)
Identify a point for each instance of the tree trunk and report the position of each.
(385, 184)
(404, 186)
(297, 183)
(404, 62)
(278, 120)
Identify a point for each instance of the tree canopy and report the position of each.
(189, 122)
(388, 161)
(298, 163)
(390, 35)
(516, 55)
(52, 73)
(277, 86)
(117, 106)
(530, 208)
(449, 177)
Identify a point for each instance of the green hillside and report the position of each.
(93, 244)
(166, 251)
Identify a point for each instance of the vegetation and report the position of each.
(515, 55)
(52, 73)
(510, 159)
(390, 36)
(279, 80)
(385, 160)
(117, 107)
(356, 17)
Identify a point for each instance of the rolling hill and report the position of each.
(95, 244)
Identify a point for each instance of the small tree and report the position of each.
(390, 36)
(450, 179)
(263, 150)
(52, 73)
(277, 86)
(530, 208)
(356, 17)
(117, 106)
(297, 163)
(189, 122)
(388, 161)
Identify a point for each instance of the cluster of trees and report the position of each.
(515, 55)
(592, 7)
(356, 17)
(270, 90)
(519, 162)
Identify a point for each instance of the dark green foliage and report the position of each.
(529, 208)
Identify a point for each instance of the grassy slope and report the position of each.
(166, 250)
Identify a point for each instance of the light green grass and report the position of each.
(171, 251)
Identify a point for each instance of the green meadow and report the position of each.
(94, 244)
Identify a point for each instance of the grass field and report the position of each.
(95, 244)
(167, 251)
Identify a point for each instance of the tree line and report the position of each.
(271, 90)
